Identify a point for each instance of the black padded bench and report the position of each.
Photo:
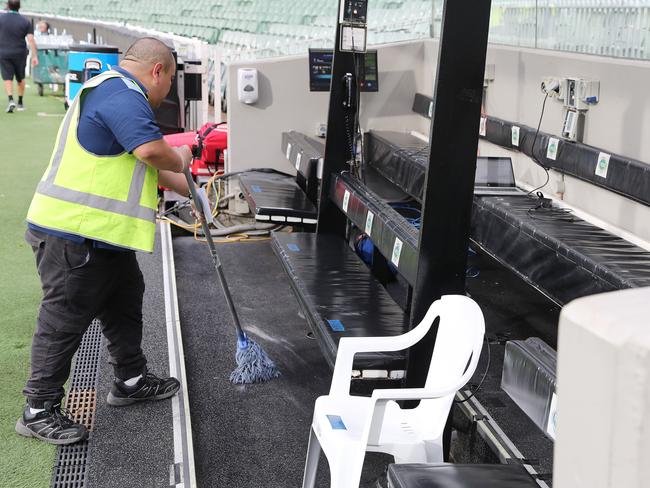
(556, 252)
(390, 232)
(341, 298)
(401, 158)
(459, 476)
(282, 198)
(277, 198)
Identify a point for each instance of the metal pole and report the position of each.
(448, 193)
(337, 147)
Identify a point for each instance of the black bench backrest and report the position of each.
(626, 176)
(306, 155)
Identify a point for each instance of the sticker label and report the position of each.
(336, 422)
(551, 150)
(256, 189)
(298, 159)
(397, 252)
(346, 201)
(336, 325)
(482, 128)
(369, 219)
(515, 135)
(430, 109)
(289, 151)
(293, 247)
(603, 165)
(551, 426)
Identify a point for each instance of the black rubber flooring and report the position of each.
(132, 447)
(256, 435)
(512, 310)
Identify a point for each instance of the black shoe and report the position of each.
(20, 107)
(53, 425)
(149, 387)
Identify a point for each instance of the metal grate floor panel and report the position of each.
(70, 465)
(81, 404)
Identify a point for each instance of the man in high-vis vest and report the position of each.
(95, 206)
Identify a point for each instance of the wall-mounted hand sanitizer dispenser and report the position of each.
(247, 85)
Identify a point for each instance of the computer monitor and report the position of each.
(494, 172)
(320, 70)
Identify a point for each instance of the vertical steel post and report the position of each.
(340, 132)
(448, 194)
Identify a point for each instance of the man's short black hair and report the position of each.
(13, 5)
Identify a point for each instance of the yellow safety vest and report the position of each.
(111, 199)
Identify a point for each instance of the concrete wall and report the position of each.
(616, 124)
(287, 104)
(603, 392)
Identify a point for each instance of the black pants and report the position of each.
(80, 283)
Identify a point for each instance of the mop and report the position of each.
(253, 364)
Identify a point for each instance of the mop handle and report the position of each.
(200, 210)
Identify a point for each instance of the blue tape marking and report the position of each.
(336, 325)
(256, 189)
(336, 422)
(293, 247)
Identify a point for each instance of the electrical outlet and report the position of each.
(238, 203)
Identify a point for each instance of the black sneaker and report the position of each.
(53, 425)
(20, 107)
(149, 387)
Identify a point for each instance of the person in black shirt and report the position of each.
(13, 51)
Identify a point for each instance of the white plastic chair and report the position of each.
(345, 426)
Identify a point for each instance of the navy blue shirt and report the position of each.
(13, 30)
(114, 118)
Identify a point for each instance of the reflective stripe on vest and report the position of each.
(122, 215)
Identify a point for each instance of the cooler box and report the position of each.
(86, 61)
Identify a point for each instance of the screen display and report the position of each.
(320, 70)
(494, 172)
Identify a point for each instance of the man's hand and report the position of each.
(33, 49)
(186, 155)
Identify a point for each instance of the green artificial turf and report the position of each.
(26, 141)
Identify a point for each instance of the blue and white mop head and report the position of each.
(253, 364)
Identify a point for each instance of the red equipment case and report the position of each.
(210, 142)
